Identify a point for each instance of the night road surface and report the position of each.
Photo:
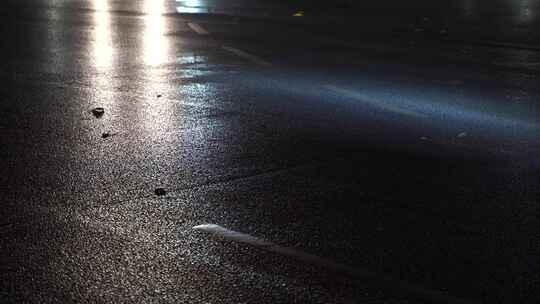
(269, 152)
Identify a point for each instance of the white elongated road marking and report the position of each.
(197, 28)
(379, 280)
(369, 100)
(246, 55)
(269, 246)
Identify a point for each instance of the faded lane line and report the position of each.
(368, 100)
(246, 55)
(379, 280)
(197, 28)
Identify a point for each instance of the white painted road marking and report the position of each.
(246, 55)
(269, 246)
(368, 100)
(379, 280)
(197, 28)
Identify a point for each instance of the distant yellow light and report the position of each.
(299, 14)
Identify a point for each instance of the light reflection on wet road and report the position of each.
(403, 154)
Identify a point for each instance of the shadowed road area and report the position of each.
(382, 152)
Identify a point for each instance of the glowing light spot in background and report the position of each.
(101, 5)
(190, 3)
(190, 7)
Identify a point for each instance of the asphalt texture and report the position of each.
(383, 138)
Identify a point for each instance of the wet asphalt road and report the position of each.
(405, 146)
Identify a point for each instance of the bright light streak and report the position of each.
(102, 46)
(155, 44)
(156, 116)
(103, 56)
